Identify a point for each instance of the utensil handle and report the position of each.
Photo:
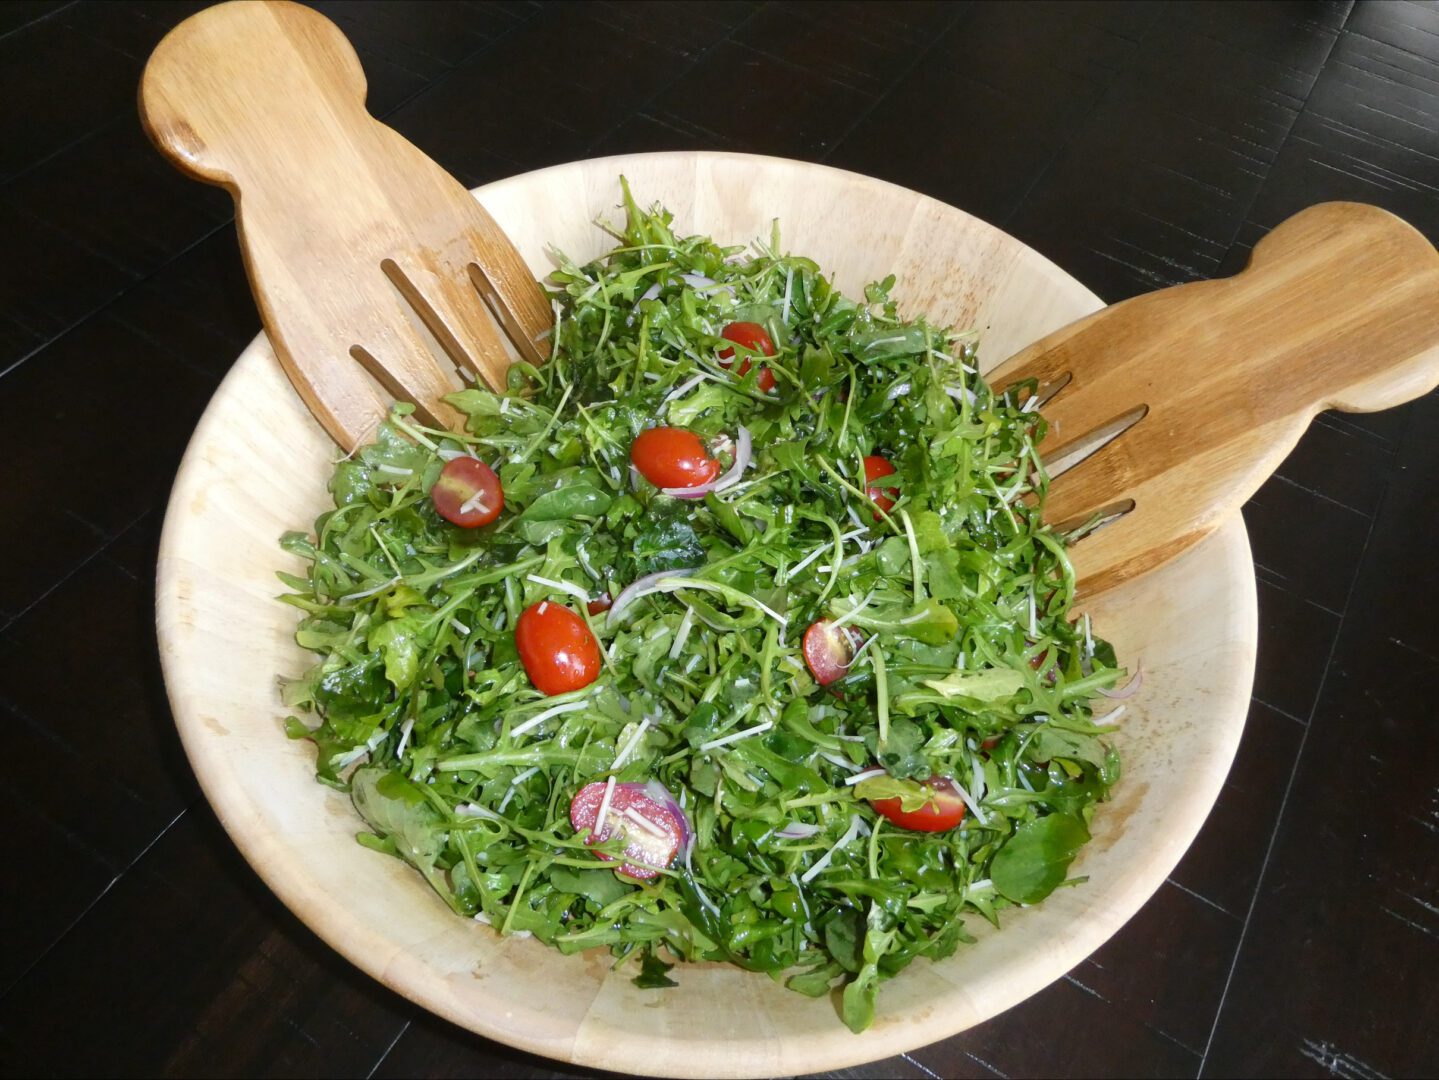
(1373, 280)
(246, 90)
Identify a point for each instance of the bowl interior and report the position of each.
(258, 464)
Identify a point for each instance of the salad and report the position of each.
(732, 632)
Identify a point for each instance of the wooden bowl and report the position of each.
(257, 465)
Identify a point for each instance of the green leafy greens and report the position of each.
(970, 668)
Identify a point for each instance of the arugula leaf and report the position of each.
(902, 754)
(912, 796)
(985, 687)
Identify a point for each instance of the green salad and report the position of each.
(731, 632)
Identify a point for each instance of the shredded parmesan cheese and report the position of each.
(563, 586)
(630, 744)
(822, 863)
(539, 718)
(604, 807)
(734, 737)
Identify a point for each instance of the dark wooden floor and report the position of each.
(1136, 145)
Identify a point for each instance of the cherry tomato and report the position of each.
(752, 336)
(600, 604)
(671, 457)
(1037, 663)
(876, 467)
(942, 812)
(652, 836)
(828, 650)
(468, 493)
(990, 743)
(556, 647)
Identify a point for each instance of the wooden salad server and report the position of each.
(1193, 395)
(358, 247)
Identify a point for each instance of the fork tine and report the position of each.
(449, 305)
(1047, 360)
(396, 356)
(508, 286)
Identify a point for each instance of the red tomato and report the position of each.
(828, 651)
(990, 743)
(944, 811)
(752, 336)
(652, 836)
(874, 468)
(1038, 663)
(556, 647)
(671, 457)
(600, 604)
(468, 493)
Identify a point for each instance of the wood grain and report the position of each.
(223, 640)
(1339, 308)
(349, 232)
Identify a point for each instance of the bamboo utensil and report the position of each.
(1193, 395)
(363, 254)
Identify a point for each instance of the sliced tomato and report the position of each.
(752, 336)
(876, 467)
(558, 650)
(600, 604)
(468, 493)
(1038, 663)
(942, 812)
(652, 837)
(671, 457)
(828, 650)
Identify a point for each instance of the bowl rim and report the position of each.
(344, 931)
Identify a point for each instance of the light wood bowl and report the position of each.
(258, 464)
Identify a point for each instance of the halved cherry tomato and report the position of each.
(876, 467)
(752, 336)
(1038, 662)
(944, 811)
(828, 650)
(468, 493)
(651, 834)
(670, 457)
(556, 647)
(599, 605)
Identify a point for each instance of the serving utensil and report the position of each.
(1169, 410)
(369, 262)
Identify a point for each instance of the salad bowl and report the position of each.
(258, 463)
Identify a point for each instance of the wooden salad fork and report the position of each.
(358, 247)
(1169, 410)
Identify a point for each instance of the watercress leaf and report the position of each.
(1035, 860)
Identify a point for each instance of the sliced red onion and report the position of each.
(798, 830)
(744, 450)
(661, 794)
(643, 586)
(1130, 688)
